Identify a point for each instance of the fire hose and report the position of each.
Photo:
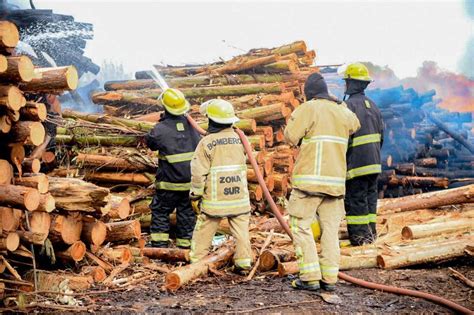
(366, 284)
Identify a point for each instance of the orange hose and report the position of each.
(366, 284)
(388, 288)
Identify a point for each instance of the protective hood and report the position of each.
(355, 86)
(316, 88)
(216, 127)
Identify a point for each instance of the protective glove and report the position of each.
(195, 203)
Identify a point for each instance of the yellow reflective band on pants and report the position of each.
(294, 224)
(159, 237)
(176, 158)
(357, 219)
(173, 186)
(329, 271)
(364, 170)
(370, 138)
(225, 203)
(308, 268)
(319, 180)
(372, 217)
(182, 242)
(243, 263)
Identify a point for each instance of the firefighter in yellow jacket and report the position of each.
(321, 127)
(219, 182)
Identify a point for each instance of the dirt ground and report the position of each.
(227, 293)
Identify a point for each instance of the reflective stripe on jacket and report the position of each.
(322, 128)
(363, 155)
(175, 140)
(219, 174)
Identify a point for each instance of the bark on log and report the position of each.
(73, 194)
(9, 35)
(29, 132)
(73, 253)
(123, 230)
(65, 228)
(52, 80)
(181, 276)
(120, 255)
(112, 140)
(426, 162)
(167, 255)
(261, 114)
(19, 196)
(38, 181)
(11, 98)
(242, 63)
(20, 69)
(119, 207)
(428, 200)
(119, 178)
(50, 281)
(93, 231)
(34, 111)
(417, 231)
(104, 162)
(96, 272)
(33, 237)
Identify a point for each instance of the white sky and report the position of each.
(401, 34)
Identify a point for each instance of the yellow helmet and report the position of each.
(174, 101)
(316, 229)
(220, 111)
(357, 71)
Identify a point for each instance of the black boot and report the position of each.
(157, 244)
(327, 286)
(299, 284)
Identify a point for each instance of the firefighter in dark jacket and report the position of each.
(363, 158)
(175, 140)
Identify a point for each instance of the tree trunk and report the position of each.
(6, 172)
(50, 281)
(19, 196)
(20, 69)
(34, 112)
(29, 132)
(74, 253)
(123, 230)
(93, 231)
(428, 200)
(72, 194)
(104, 162)
(31, 166)
(11, 242)
(118, 255)
(47, 203)
(33, 237)
(9, 35)
(167, 255)
(87, 141)
(119, 207)
(270, 258)
(436, 228)
(261, 114)
(65, 228)
(243, 63)
(280, 66)
(426, 162)
(38, 181)
(10, 218)
(442, 250)
(11, 98)
(119, 178)
(183, 275)
(52, 80)
(414, 181)
(40, 222)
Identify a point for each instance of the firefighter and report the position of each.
(219, 185)
(175, 140)
(363, 158)
(321, 127)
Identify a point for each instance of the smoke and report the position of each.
(466, 64)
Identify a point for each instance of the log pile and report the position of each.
(48, 221)
(425, 147)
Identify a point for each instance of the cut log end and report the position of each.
(172, 281)
(407, 233)
(12, 241)
(98, 233)
(77, 250)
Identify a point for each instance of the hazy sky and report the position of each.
(401, 34)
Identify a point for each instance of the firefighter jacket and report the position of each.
(363, 153)
(219, 174)
(175, 140)
(322, 128)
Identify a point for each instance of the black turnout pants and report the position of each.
(361, 209)
(163, 204)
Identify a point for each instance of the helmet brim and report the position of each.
(180, 111)
(366, 79)
(226, 121)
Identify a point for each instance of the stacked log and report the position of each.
(63, 216)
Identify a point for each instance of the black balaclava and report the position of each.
(355, 86)
(315, 87)
(216, 127)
